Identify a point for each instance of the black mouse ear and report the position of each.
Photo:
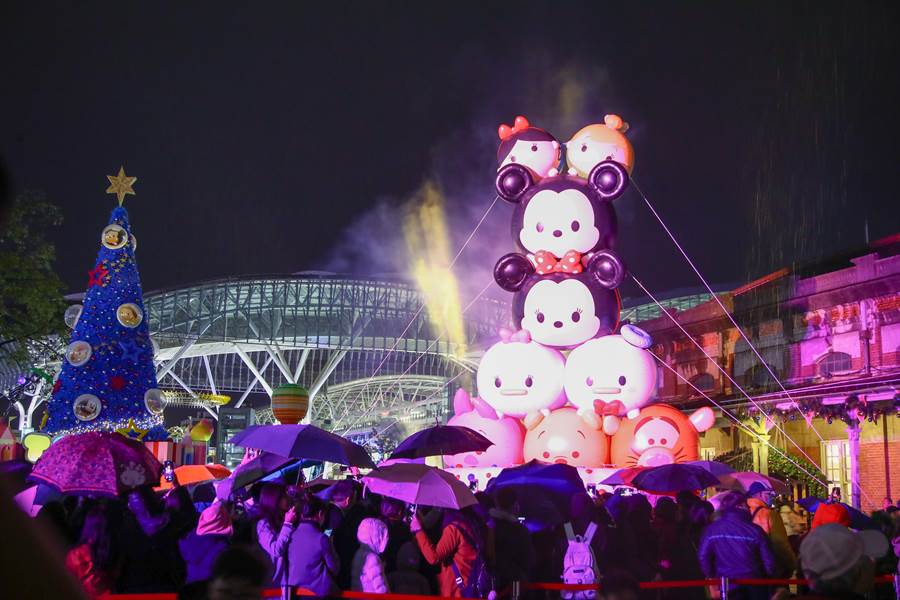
(607, 269)
(512, 271)
(609, 179)
(512, 182)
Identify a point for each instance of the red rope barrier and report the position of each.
(645, 585)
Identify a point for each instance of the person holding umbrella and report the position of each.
(455, 551)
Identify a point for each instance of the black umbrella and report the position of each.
(441, 440)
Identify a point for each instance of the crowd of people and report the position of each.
(283, 535)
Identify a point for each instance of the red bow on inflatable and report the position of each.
(520, 124)
(545, 262)
(614, 408)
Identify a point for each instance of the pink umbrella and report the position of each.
(97, 462)
(420, 484)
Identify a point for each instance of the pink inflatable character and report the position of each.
(505, 432)
(564, 437)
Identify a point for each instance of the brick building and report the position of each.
(830, 334)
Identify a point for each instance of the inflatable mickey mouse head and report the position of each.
(566, 223)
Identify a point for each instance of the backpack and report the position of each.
(579, 564)
(481, 582)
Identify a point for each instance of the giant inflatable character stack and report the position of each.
(569, 385)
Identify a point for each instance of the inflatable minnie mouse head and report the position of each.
(529, 146)
(559, 310)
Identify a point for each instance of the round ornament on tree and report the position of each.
(155, 401)
(87, 407)
(114, 237)
(129, 315)
(290, 402)
(78, 353)
(72, 314)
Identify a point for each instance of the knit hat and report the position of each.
(373, 533)
(215, 520)
(831, 513)
(832, 550)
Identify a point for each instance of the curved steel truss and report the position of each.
(326, 332)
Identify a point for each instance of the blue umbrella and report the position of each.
(858, 520)
(676, 477)
(712, 466)
(544, 491)
(304, 441)
(441, 440)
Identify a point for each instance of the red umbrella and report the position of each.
(97, 462)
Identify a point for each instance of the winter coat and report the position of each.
(200, 552)
(95, 582)
(733, 546)
(770, 521)
(407, 579)
(151, 563)
(303, 556)
(453, 547)
(367, 570)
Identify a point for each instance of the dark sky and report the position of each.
(283, 137)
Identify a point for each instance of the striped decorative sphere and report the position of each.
(290, 403)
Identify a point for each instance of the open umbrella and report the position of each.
(189, 474)
(675, 477)
(32, 499)
(712, 466)
(858, 519)
(304, 441)
(97, 462)
(441, 440)
(742, 480)
(623, 476)
(544, 491)
(420, 484)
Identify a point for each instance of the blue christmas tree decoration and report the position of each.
(108, 366)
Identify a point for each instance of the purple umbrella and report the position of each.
(420, 484)
(97, 462)
(712, 466)
(257, 468)
(304, 441)
(441, 440)
(673, 478)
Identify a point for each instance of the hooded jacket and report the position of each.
(770, 521)
(733, 546)
(367, 570)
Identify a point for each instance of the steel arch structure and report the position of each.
(325, 331)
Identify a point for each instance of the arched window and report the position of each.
(834, 362)
(704, 382)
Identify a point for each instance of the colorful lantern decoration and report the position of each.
(202, 431)
(290, 403)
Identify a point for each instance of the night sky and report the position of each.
(274, 138)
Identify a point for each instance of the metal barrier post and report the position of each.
(723, 588)
(897, 586)
(516, 590)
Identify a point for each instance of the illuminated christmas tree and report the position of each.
(108, 380)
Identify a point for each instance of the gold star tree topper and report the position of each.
(120, 185)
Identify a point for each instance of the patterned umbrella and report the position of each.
(304, 441)
(97, 462)
(441, 440)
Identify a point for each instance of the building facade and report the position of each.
(827, 391)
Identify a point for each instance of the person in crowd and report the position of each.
(512, 542)
(759, 501)
(835, 495)
(95, 561)
(270, 510)
(367, 570)
(238, 574)
(343, 519)
(619, 585)
(608, 547)
(840, 563)
(407, 578)
(149, 540)
(886, 503)
(202, 546)
(455, 550)
(393, 513)
(642, 547)
(682, 558)
(665, 526)
(732, 546)
(829, 512)
(302, 554)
